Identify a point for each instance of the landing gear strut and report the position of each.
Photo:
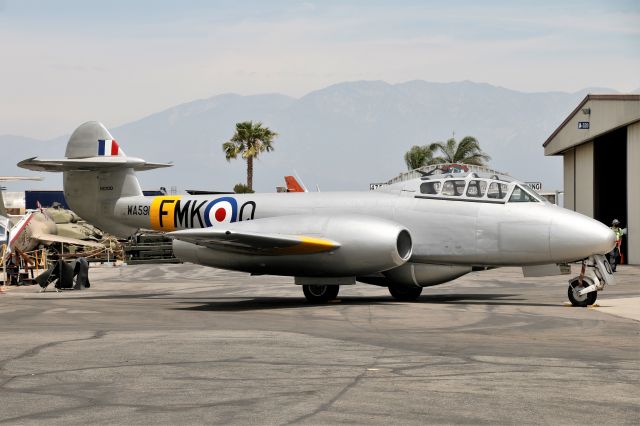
(320, 293)
(595, 273)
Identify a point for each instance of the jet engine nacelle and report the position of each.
(367, 245)
(424, 275)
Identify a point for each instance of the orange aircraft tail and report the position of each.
(293, 185)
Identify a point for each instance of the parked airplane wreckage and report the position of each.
(414, 232)
(50, 227)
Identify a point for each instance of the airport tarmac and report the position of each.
(185, 344)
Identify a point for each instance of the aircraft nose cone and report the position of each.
(575, 236)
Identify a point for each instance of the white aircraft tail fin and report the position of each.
(96, 174)
(90, 148)
(92, 139)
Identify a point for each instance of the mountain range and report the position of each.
(341, 137)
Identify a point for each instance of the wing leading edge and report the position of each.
(254, 242)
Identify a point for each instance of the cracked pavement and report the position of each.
(184, 344)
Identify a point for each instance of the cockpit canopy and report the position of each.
(474, 187)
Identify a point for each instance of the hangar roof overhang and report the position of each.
(603, 113)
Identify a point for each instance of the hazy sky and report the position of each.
(66, 62)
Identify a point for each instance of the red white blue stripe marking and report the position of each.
(16, 231)
(108, 147)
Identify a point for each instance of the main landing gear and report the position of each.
(595, 273)
(405, 293)
(320, 293)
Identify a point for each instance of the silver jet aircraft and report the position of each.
(404, 236)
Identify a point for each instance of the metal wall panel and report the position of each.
(569, 174)
(584, 179)
(633, 193)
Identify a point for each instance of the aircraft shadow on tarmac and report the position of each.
(236, 303)
(264, 303)
(103, 297)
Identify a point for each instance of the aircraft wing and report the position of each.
(255, 242)
(59, 239)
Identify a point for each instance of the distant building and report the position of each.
(14, 202)
(600, 143)
(44, 199)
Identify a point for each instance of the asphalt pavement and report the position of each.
(185, 344)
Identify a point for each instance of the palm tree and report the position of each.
(419, 156)
(467, 151)
(248, 142)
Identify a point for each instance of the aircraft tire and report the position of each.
(576, 299)
(405, 293)
(320, 293)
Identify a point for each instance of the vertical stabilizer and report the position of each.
(92, 139)
(92, 194)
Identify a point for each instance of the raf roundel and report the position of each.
(221, 213)
(221, 210)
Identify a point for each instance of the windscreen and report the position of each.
(520, 195)
(535, 194)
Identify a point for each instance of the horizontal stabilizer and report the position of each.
(252, 242)
(89, 164)
(14, 178)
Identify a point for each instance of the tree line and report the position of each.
(467, 151)
(251, 139)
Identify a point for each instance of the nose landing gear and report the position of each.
(577, 299)
(595, 273)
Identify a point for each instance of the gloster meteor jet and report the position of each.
(404, 236)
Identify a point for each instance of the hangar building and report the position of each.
(600, 143)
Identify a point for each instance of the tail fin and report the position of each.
(96, 173)
(293, 185)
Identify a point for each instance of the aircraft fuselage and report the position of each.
(443, 231)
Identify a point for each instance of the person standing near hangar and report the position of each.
(614, 256)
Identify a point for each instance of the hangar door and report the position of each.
(610, 179)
